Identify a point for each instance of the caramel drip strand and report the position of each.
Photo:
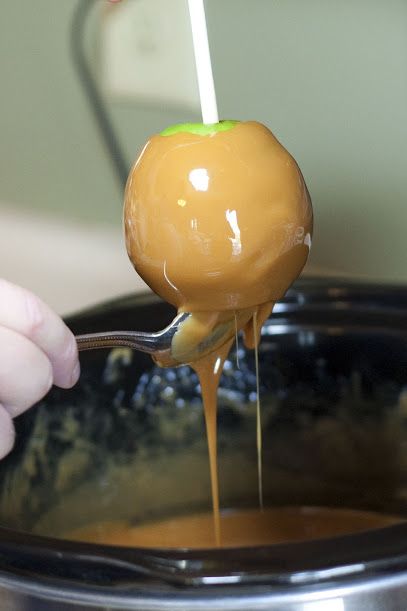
(237, 342)
(209, 370)
(259, 440)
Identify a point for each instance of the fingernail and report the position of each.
(75, 374)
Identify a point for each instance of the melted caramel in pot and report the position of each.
(239, 528)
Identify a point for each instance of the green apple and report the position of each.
(200, 129)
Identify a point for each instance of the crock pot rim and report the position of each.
(307, 563)
(308, 292)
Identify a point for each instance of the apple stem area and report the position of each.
(207, 94)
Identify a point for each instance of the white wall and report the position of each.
(328, 76)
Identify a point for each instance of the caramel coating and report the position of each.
(217, 222)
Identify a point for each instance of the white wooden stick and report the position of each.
(206, 85)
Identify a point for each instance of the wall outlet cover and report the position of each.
(147, 53)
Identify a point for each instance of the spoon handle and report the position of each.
(137, 340)
(145, 342)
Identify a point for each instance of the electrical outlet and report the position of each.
(147, 53)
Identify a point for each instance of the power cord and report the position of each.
(92, 91)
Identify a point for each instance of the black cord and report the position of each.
(94, 97)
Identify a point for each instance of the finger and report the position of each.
(7, 433)
(25, 372)
(25, 313)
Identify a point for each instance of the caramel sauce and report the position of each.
(220, 226)
(209, 371)
(239, 528)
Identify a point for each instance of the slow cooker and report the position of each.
(128, 443)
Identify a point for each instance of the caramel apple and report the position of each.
(217, 217)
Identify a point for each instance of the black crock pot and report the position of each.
(124, 443)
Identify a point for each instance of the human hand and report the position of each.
(37, 350)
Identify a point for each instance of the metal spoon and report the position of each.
(159, 344)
